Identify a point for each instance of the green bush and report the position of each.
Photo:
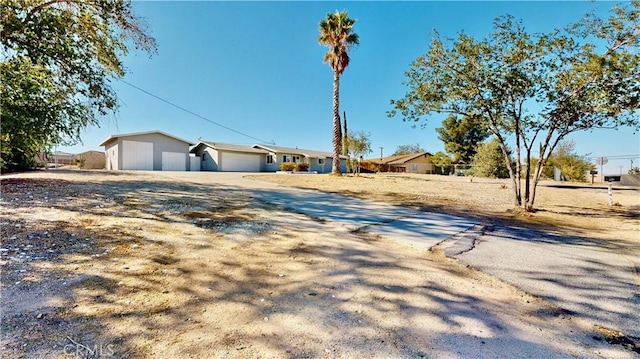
(287, 166)
(302, 167)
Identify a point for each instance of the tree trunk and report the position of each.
(337, 130)
(345, 142)
(517, 191)
(527, 179)
(536, 179)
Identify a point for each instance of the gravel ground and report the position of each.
(136, 265)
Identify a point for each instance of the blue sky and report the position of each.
(256, 67)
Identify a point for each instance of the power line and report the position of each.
(193, 113)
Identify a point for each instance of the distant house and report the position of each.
(58, 158)
(148, 151)
(412, 163)
(90, 160)
(318, 161)
(225, 157)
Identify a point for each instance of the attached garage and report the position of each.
(146, 151)
(224, 157)
(239, 162)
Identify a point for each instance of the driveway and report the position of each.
(588, 278)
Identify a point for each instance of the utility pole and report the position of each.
(381, 158)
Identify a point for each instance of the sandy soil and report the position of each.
(135, 265)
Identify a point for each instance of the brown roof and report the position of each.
(399, 159)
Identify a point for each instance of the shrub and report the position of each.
(79, 162)
(287, 166)
(302, 167)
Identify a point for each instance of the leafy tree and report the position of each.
(408, 149)
(573, 166)
(488, 161)
(634, 171)
(336, 32)
(461, 135)
(533, 89)
(59, 59)
(442, 160)
(359, 144)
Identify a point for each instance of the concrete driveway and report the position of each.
(589, 278)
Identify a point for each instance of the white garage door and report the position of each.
(194, 165)
(174, 161)
(239, 162)
(137, 155)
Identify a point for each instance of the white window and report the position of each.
(320, 161)
(296, 159)
(286, 158)
(270, 159)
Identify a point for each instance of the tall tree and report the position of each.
(408, 149)
(533, 88)
(61, 54)
(336, 32)
(461, 136)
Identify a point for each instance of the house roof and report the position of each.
(62, 154)
(227, 147)
(113, 137)
(90, 152)
(398, 160)
(296, 151)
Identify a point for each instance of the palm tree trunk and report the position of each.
(337, 128)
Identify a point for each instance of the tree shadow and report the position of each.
(592, 279)
(138, 271)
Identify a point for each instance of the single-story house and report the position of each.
(412, 163)
(58, 158)
(318, 161)
(90, 160)
(147, 151)
(225, 157)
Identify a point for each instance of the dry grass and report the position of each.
(576, 210)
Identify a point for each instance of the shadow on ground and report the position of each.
(134, 268)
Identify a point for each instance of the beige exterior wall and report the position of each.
(91, 159)
(421, 164)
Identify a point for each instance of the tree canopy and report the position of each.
(59, 59)
(574, 167)
(442, 160)
(461, 136)
(408, 149)
(358, 144)
(532, 89)
(488, 162)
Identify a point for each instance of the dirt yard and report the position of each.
(136, 265)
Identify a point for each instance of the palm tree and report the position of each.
(336, 32)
